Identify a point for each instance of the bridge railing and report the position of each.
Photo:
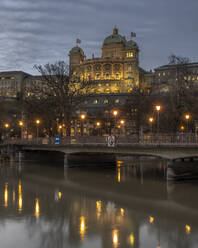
(145, 139)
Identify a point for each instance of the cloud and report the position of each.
(44, 31)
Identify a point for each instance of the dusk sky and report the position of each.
(42, 31)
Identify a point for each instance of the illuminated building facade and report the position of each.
(116, 71)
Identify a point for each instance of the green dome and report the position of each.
(131, 44)
(115, 38)
(76, 50)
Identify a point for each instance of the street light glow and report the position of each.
(115, 112)
(37, 122)
(158, 107)
(122, 122)
(187, 116)
(7, 125)
(82, 117)
(21, 123)
(98, 124)
(151, 119)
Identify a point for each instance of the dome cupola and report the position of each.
(115, 38)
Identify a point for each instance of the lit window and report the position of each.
(117, 100)
(106, 101)
(117, 76)
(95, 101)
(107, 90)
(130, 90)
(164, 73)
(107, 76)
(129, 55)
(98, 91)
(97, 76)
(159, 74)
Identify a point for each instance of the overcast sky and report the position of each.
(41, 31)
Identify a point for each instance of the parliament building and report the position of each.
(116, 71)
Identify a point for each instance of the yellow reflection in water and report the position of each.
(59, 195)
(151, 219)
(6, 195)
(122, 211)
(119, 177)
(20, 201)
(115, 238)
(188, 229)
(131, 239)
(82, 226)
(98, 208)
(37, 208)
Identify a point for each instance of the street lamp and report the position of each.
(158, 108)
(187, 117)
(115, 113)
(37, 127)
(82, 117)
(60, 129)
(151, 120)
(98, 125)
(21, 125)
(122, 123)
(7, 125)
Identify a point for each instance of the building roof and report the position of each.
(76, 50)
(115, 38)
(169, 66)
(131, 44)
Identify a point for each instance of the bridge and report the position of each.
(167, 148)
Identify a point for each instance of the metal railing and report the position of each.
(120, 140)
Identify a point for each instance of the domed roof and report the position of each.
(115, 38)
(76, 50)
(131, 44)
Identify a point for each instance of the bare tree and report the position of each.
(55, 90)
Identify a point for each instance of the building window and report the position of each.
(97, 76)
(98, 91)
(107, 90)
(106, 101)
(117, 76)
(95, 101)
(107, 76)
(129, 54)
(117, 100)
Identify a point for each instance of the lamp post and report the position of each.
(187, 117)
(7, 125)
(115, 113)
(151, 119)
(37, 128)
(21, 126)
(82, 117)
(60, 129)
(122, 123)
(98, 125)
(158, 108)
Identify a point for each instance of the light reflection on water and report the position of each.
(131, 205)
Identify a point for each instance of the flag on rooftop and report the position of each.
(133, 34)
(78, 41)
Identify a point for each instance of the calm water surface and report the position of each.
(132, 205)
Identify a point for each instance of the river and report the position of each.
(44, 205)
